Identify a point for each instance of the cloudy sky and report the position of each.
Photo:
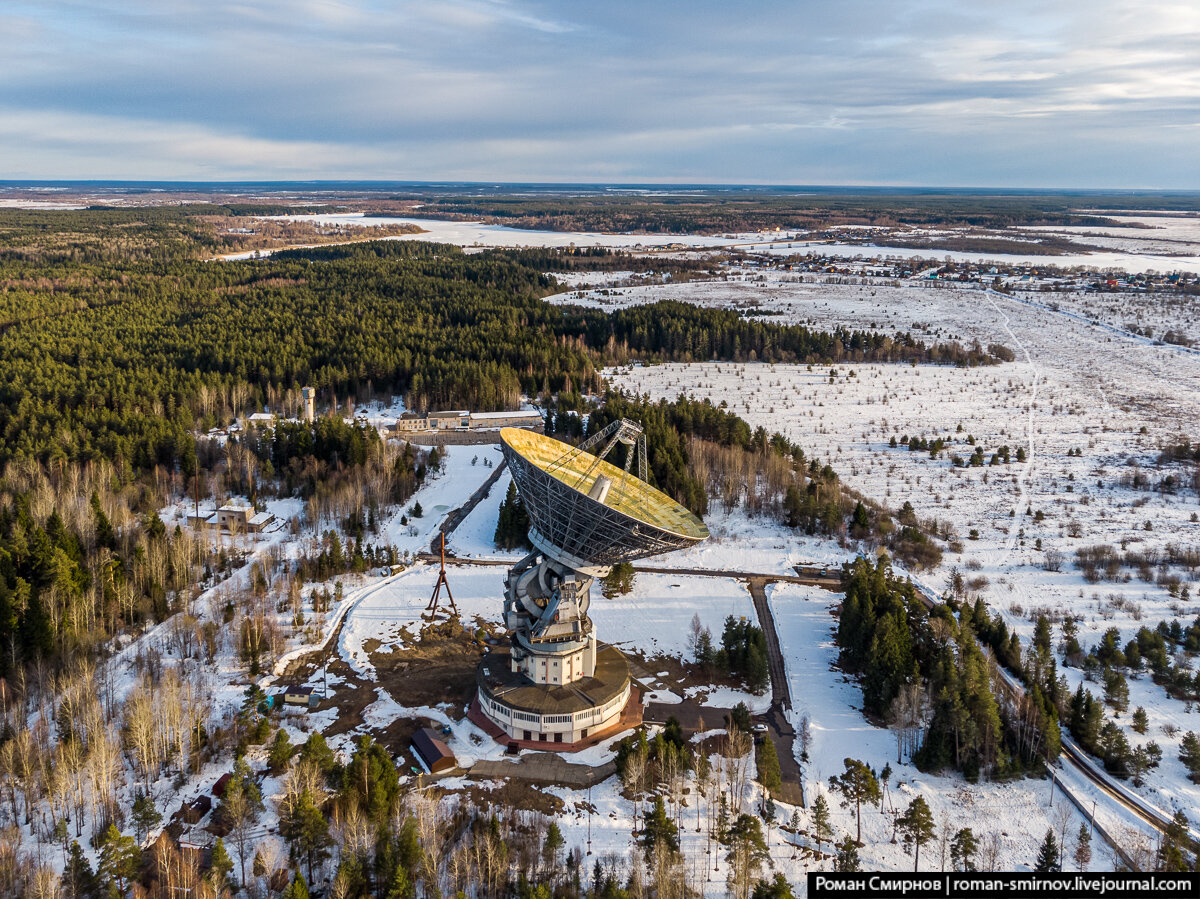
(1046, 93)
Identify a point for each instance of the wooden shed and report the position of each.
(197, 809)
(434, 754)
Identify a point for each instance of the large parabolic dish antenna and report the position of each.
(555, 683)
(587, 513)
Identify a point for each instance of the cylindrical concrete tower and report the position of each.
(310, 403)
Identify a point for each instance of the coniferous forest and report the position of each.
(119, 339)
(123, 346)
(121, 343)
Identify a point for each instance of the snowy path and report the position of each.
(1023, 481)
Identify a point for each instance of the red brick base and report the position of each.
(631, 717)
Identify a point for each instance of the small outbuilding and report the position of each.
(218, 789)
(432, 752)
(197, 809)
(305, 696)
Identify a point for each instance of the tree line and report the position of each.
(923, 671)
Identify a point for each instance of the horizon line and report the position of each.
(665, 187)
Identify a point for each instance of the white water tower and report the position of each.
(310, 403)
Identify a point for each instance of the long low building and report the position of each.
(412, 422)
(525, 418)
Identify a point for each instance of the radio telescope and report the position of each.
(554, 683)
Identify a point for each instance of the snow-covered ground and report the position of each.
(1101, 259)
(739, 542)
(1016, 813)
(653, 619)
(473, 538)
(1089, 405)
(477, 234)
(460, 474)
(1081, 382)
(1137, 253)
(929, 310)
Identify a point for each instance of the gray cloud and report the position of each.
(864, 91)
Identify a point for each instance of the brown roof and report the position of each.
(497, 679)
(433, 752)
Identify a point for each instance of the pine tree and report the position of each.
(1171, 856)
(846, 861)
(145, 815)
(767, 760)
(550, 848)
(400, 886)
(78, 879)
(306, 830)
(1141, 722)
(222, 864)
(963, 848)
(618, 581)
(297, 889)
(822, 829)
(658, 830)
(120, 857)
(758, 670)
(860, 522)
(777, 888)
(372, 775)
(857, 785)
(280, 754)
(916, 824)
(1047, 858)
(512, 524)
(1189, 754)
(747, 853)
(1083, 847)
(1116, 690)
(317, 751)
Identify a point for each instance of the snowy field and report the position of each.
(1089, 406)
(477, 234)
(655, 618)
(1101, 259)
(1136, 254)
(1009, 818)
(1173, 234)
(1088, 401)
(929, 311)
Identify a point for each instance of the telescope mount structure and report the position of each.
(555, 685)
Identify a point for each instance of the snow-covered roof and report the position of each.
(503, 416)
